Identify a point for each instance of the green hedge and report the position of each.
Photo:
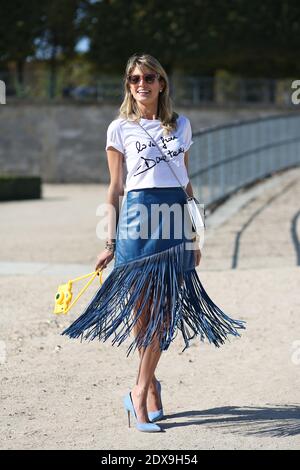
(13, 187)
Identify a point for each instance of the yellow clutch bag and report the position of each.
(64, 294)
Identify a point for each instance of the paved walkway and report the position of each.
(58, 393)
(57, 235)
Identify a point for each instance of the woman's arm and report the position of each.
(189, 188)
(115, 191)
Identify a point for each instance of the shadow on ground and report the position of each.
(276, 421)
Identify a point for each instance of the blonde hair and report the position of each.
(129, 108)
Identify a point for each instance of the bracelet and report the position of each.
(110, 246)
(110, 250)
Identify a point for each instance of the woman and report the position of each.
(154, 289)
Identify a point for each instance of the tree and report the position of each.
(59, 34)
(19, 25)
(197, 35)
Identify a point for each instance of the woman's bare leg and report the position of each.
(149, 360)
(144, 395)
(153, 397)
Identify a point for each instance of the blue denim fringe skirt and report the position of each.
(154, 280)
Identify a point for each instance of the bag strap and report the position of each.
(164, 157)
(70, 284)
(93, 274)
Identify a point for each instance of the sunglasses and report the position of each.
(148, 77)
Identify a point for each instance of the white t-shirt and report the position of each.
(143, 161)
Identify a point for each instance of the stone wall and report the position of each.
(66, 142)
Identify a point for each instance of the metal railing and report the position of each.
(224, 159)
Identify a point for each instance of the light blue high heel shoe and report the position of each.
(144, 427)
(156, 415)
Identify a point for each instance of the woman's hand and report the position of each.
(103, 259)
(197, 256)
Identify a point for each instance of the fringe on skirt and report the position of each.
(154, 286)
